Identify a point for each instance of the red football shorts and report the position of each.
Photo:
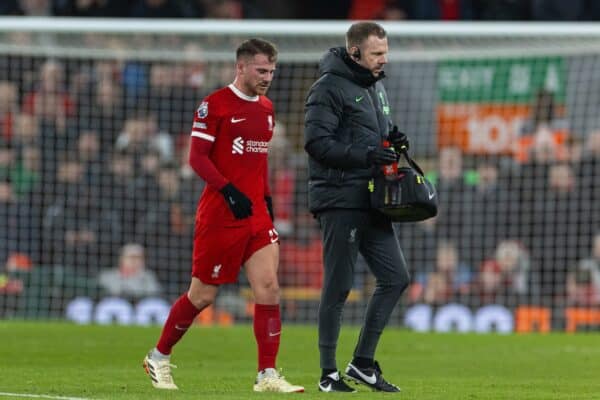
(220, 251)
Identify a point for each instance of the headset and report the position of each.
(356, 54)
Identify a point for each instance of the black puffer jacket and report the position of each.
(347, 114)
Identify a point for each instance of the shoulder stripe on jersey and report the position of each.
(200, 125)
(203, 136)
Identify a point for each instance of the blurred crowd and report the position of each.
(447, 10)
(94, 183)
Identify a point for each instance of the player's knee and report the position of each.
(267, 290)
(271, 286)
(200, 299)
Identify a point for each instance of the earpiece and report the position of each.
(356, 54)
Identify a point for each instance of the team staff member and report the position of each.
(234, 227)
(347, 119)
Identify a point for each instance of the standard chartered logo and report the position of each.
(241, 146)
(238, 146)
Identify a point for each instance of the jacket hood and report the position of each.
(337, 61)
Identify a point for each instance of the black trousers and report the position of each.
(345, 232)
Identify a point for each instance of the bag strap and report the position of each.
(412, 163)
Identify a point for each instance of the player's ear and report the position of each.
(355, 53)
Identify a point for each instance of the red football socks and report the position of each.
(180, 318)
(267, 331)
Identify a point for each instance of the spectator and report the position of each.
(456, 197)
(167, 231)
(105, 114)
(50, 101)
(26, 131)
(546, 129)
(27, 175)
(117, 196)
(9, 109)
(130, 279)
(449, 281)
(141, 130)
(88, 152)
(505, 278)
(7, 159)
(583, 284)
(556, 226)
(492, 216)
(20, 227)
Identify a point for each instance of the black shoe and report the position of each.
(334, 383)
(371, 377)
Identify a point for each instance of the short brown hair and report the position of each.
(254, 46)
(360, 31)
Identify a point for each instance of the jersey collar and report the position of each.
(241, 95)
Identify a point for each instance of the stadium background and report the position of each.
(97, 202)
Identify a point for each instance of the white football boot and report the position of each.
(269, 380)
(159, 372)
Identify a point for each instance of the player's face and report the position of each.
(255, 74)
(373, 54)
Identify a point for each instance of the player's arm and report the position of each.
(267, 191)
(202, 142)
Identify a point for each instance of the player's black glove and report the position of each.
(269, 202)
(381, 156)
(238, 203)
(398, 139)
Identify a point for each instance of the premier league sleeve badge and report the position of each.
(202, 111)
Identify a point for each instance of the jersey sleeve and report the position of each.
(206, 122)
(204, 132)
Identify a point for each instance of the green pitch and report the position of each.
(99, 362)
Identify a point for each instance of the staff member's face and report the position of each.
(255, 74)
(373, 54)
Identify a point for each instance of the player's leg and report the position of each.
(341, 231)
(383, 255)
(182, 315)
(261, 270)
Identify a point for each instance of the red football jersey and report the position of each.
(240, 128)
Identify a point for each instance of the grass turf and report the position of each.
(104, 362)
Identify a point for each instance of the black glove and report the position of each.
(269, 202)
(240, 205)
(398, 139)
(381, 156)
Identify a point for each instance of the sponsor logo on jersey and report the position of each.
(202, 111)
(238, 146)
(241, 146)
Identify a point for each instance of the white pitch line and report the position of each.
(42, 396)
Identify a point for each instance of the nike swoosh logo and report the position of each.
(236, 120)
(181, 328)
(369, 379)
(275, 333)
(326, 388)
(431, 195)
(358, 98)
